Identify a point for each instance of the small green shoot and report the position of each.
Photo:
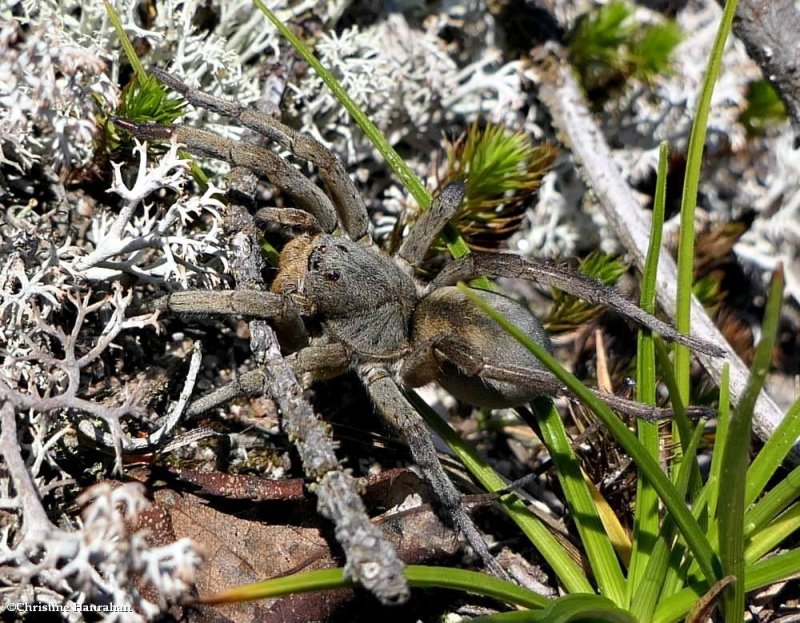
(764, 108)
(609, 45)
(502, 169)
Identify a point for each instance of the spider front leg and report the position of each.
(586, 288)
(261, 161)
(430, 224)
(346, 198)
(249, 303)
(370, 558)
(402, 417)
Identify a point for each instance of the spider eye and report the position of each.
(315, 258)
(332, 275)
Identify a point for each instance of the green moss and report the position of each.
(763, 109)
(609, 46)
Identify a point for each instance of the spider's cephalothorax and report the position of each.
(363, 300)
(374, 318)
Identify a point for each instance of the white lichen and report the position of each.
(156, 244)
(774, 236)
(100, 560)
(51, 93)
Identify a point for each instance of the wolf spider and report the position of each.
(372, 315)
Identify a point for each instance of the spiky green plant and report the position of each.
(144, 99)
(502, 169)
(569, 312)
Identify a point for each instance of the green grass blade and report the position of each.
(768, 538)
(674, 502)
(710, 493)
(566, 609)
(596, 544)
(418, 576)
(647, 299)
(689, 198)
(714, 483)
(651, 582)
(681, 422)
(775, 501)
(645, 516)
(127, 46)
(422, 576)
(763, 573)
(566, 569)
(677, 570)
(662, 572)
(736, 458)
(773, 453)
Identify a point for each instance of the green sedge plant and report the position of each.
(692, 549)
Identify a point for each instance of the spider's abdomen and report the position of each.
(447, 311)
(362, 296)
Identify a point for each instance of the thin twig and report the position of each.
(36, 525)
(371, 559)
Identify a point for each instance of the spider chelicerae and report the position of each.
(371, 315)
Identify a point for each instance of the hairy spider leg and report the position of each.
(401, 415)
(347, 200)
(586, 288)
(451, 348)
(431, 222)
